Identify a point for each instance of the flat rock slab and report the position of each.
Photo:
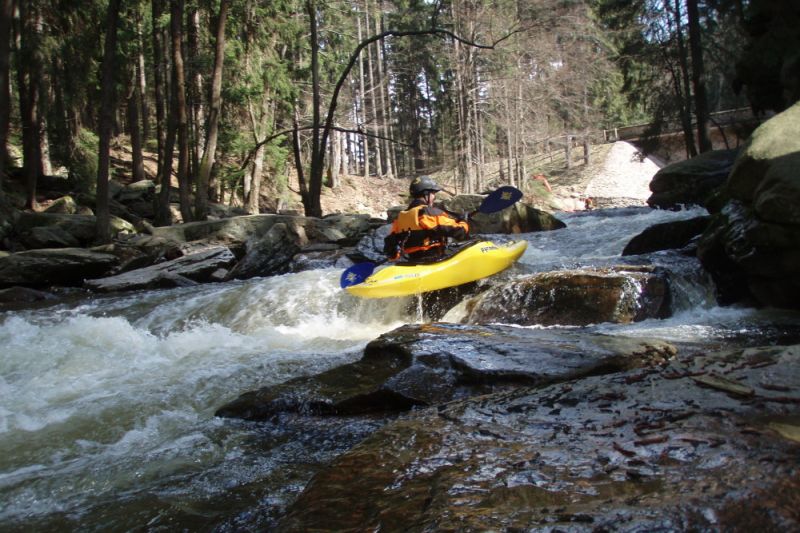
(186, 270)
(702, 442)
(421, 365)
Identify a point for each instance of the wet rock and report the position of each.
(752, 247)
(64, 266)
(186, 270)
(420, 365)
(667, 236)
(22, 295)
(316, 256)
(691, 182)
(575, 297)
(270, 253)
(370, 247)
(435, 304)
(639, 451)
(344, 230)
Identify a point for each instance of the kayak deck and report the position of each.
(471, 263)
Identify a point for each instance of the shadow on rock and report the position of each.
(423, 365)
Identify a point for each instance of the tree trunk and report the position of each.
(182, 115)
(196, 119)
(135, 131)
(698, 76)
(163, 214)
(107, 89)
(336, 159)
(298, 160)
(383, 65)
(141, 79)
(6, 12)
(372, 99)
(209, 154)
(383, 113)
(568, 152)
(362, 99)
(252, 197)
(685, 95)
(314, 206)
(587, 150)
(29, 96)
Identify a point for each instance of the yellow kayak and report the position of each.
(473, 262)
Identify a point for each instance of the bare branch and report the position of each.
(274, 136)
(380, 36)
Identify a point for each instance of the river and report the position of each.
(107, 402)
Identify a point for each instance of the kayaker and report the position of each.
(421, 231)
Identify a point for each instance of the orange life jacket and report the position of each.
(422, 228)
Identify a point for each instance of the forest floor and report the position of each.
(616, 173)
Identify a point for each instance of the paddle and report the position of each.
(497, 200)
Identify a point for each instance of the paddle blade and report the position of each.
(503, 197)
(356, 274)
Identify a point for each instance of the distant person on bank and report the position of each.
(421, 231)
(541, 179)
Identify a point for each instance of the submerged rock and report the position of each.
(654, 449)
(575, 297)
(420, 365)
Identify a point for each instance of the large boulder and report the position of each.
(420, 365)
(57, 230)
(190, 269)
(138, 191)
(370, 247)
(316, 256)
(272, 252)
(691, 182)
(752, 247)
(65, 205)
(621, 294)
(82, 228)
(46, 267)
(519, 218)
